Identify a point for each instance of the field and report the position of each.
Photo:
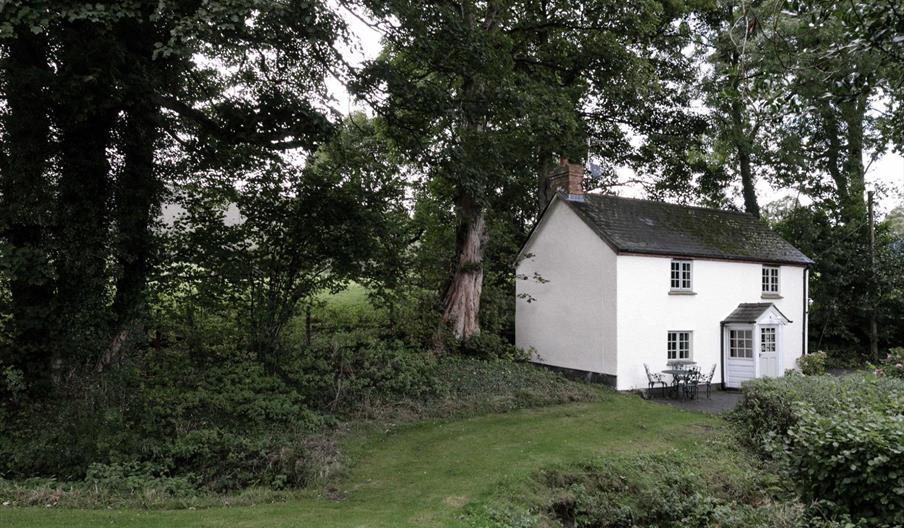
(429, 474)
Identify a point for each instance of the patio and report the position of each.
(720, 401)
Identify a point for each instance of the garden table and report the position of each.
(678, 375)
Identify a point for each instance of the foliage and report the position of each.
(767, 409)
(298, 233)
(484, 96)
(892, 365)
(491, 346)
(842, 286)
(434, 470)
(713, 485)
(840, 440)
(813, 364)
(145, 100)
(850, 462)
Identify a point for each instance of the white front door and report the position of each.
(768, 354)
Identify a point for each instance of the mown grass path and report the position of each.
(424, 474)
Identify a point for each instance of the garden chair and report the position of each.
(691, 382)
(708, 380)
(654, 379)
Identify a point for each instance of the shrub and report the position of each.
(840, 439)
(490, 346)
(892, 365)
(767, 409)
(478, 386)
(348, 370)
(672, 490)
(812, 364)
(852, 462)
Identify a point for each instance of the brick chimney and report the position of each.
(568, 178)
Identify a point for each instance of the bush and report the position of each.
(812, 364)
(490, 346)
(851, 462)
(892, 365)
(349, 370)
(673, 490)
(840, 439)
(768, 407)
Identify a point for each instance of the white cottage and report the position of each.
(609, 284)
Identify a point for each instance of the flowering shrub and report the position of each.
(813, 364)
(893, 364)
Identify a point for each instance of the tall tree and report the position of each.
(25, 156)
(484, 94)
(139, 93)
(737, 88)
(827, 118)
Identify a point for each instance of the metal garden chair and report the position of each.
(708, 380)
(654, 379)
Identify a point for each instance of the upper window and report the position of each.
(740, 343)
(679, 345)
(681, 275)
(770, 279)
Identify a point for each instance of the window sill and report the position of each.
(771, 296)
(682, 292)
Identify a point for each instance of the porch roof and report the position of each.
(750, 313)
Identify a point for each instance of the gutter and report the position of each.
(722, 352)
(806, 322)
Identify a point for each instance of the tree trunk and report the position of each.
(853, 205)
(137, 187)
(742, 145)
(461, 305)
(25, 204)
(82, 219)
(833, 154)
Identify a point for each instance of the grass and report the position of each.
(427, 474)
(353, 296)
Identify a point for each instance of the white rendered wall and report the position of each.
(646, 311)
(571, 320)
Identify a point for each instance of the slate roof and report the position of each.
(750, 312)
(642, 226)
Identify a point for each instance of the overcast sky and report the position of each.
(887, 171)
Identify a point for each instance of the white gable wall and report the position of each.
(570, 321)
(646, 311)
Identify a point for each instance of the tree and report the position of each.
(738, 89)
(254, 252)
(133, 110)
(25, 200)
(485, 94)
(827, 114)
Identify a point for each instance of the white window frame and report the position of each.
(773, 341)
(735, 339)
(770, 280)
(673, 345)
(681, 275)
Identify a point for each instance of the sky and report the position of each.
(886, 172)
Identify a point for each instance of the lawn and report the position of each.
(425, 474)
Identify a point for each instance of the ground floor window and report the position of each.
(679, 344)
(740, 343)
